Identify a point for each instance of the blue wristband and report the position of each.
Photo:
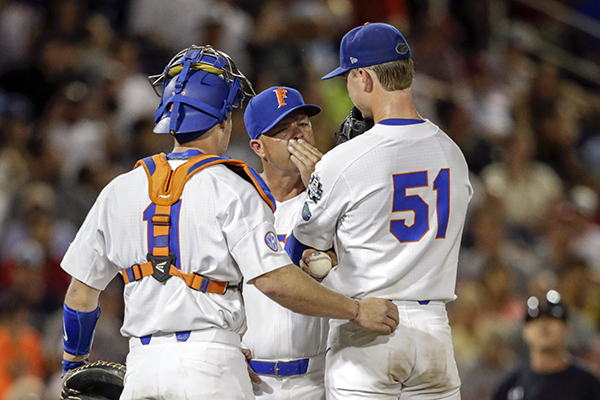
(78, 330)
(69, 365)
(295, 248)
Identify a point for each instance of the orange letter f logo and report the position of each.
(281, 95)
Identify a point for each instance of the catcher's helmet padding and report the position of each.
(200, 87)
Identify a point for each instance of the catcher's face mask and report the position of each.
(198, 88)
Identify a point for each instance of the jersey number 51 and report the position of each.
(414, 203)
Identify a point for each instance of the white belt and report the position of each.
(205, 335)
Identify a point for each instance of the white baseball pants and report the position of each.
(305, 387)
(209, 365)
(416, 362)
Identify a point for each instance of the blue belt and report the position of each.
(421, 302)
(280, 368)
(182, 336)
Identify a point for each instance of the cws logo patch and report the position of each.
(306, 212)
(271, 241)
(315, 189)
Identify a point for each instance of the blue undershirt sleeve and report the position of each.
(295, 248)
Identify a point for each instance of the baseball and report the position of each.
(319, 264)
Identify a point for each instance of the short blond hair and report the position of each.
(394, 75)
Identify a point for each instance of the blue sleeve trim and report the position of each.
(78, 330)
(295, 248)
(401, 121)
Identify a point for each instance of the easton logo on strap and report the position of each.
(161, 266)
(165, 187)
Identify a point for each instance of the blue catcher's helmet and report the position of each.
(198, 88)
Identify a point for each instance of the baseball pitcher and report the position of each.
(392, 202)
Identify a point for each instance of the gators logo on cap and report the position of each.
(271, 241)
(315, 189)
(281, 96)
(402, 48)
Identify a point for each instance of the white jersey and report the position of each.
(393, 203)
(274, 332)
(225, 232)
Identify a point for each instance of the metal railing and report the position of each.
(564, 14)
(501, 26)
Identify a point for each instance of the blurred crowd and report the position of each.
(76, 109)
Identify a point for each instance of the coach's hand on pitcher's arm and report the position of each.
(377, 315)
(293, 289)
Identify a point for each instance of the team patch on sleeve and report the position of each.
(315, 188)
(306, 212)
(271, 241)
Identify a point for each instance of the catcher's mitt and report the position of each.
(353, 125)
(100, 380)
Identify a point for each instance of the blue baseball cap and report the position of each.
(270, 106)
(370, 44)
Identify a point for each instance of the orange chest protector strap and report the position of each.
(165, 187)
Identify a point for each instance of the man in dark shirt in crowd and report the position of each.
(550, 374)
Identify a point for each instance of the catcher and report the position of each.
(103, 380)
